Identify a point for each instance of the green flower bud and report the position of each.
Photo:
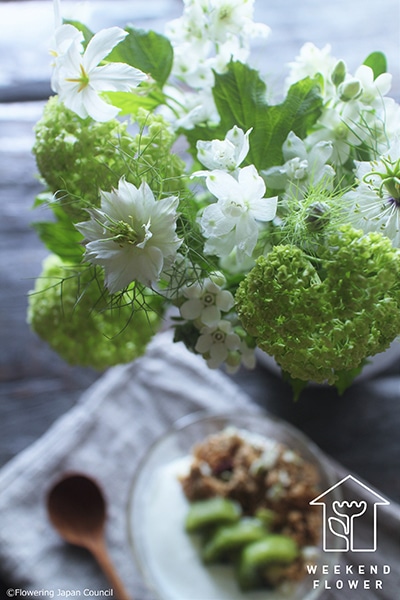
(338, 73)
(317, 216)
(349, 90)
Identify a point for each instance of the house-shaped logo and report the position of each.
(351, 524)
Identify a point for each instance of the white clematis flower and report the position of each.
(227, 154)
(78, 79)
(133, 236)
(232, 221)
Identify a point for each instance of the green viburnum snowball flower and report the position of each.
(78, 157)
(319, 324)
(70, 309)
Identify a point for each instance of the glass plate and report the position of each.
(167, 556)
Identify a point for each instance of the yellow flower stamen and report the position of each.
(83, 79)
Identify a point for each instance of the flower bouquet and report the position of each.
(177, 187)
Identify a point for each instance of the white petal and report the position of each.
(191, 309)
(232, 341)
(204, 343)
(241, 142)
(219, 352)
(264, 209)
(246, 235)
(251, 184)
(223, 186)
(294, 147)
(73, 100)
(214, 222)
(116, 77)
(101, 45)
(97, 108)
(210, 316)
(225, 301)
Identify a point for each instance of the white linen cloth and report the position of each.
(106, 435)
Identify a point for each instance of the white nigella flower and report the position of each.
(375, 203)
(78, 79)
(224, 155)
(133, 236)
(205, 302)
(302, 167)
(232, 221)
(215, 343)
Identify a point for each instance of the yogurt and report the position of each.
(172, 557)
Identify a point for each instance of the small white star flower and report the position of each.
(215, 343)
(78, 79)
(205, 302)
(133, 236)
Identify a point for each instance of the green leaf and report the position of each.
(346, 378)
(146, 50)
(297, 385)
(60, 236)
(240, 97)
(377, 62)
(130, 102)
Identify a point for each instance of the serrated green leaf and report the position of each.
(60, 236)
(377, 62)
(240, 97)
(148, 51)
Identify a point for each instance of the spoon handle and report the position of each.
(101, 554)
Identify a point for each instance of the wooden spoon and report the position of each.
(77, 510)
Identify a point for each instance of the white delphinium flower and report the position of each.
(198, 108)
(191, 63)
(344, 127)
(133, 236)
(227, 17)
(215, 343)
(227, 154)
(206, 300)
(310, 62)
(232, 222)
(209, 35)
(374, 205)
(303, 166)
(78, 79)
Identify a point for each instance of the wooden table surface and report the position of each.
(359, 429)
